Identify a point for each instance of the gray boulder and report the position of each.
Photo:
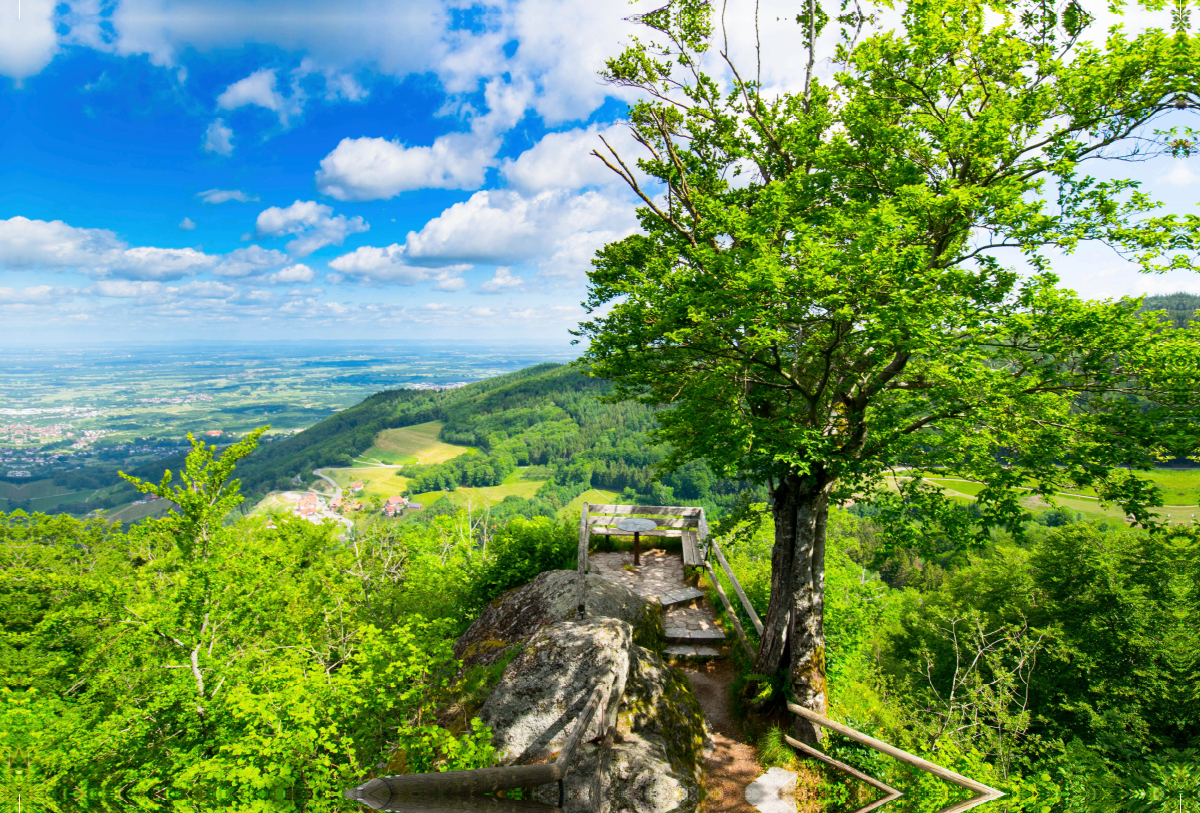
(544, 689)
(515, 616)
(653, 762)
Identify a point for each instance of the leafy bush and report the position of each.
(520, 551)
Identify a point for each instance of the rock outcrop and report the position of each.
(652, 762)
(544, 689)
(513, 618)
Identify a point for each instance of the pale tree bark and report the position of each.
(794, 629)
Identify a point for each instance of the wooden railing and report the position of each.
(982, 792)
(712, 548)
(384, 792)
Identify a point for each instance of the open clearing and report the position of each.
(489, 495)
(385, 482)
(573, 509)
(413, 444)
(1179, 490)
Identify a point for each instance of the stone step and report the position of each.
(689, 651)
(683, 597)
(678, 635)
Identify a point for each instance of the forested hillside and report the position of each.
(1180, 307)
(549, 415)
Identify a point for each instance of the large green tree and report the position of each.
(819, 296)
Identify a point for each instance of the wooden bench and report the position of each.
(683, 521)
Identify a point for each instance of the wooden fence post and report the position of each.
(584, 534)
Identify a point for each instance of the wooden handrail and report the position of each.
(384, 790)
(737, 587)
(737, 624)
(890, 794)
(983, 793)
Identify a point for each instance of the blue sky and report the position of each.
(278, 169)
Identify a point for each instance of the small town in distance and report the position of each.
(317, 508)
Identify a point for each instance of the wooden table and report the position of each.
(636, 525)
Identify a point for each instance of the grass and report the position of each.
(132, 513)
(384, 482)
(415, 444)
(489, 495)
(574, 508)
(33, 490)
(1180, 491)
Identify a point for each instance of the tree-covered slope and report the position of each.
(548, 415)
(1180, 307)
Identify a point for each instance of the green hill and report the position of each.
(548, 416)
(1180, 307)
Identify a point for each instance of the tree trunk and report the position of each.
(794, 629)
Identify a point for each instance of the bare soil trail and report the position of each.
(733, 763)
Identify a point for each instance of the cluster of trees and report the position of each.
(1059, 669)
(470, 470)
(199, 659)
(818, 292)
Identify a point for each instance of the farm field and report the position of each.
(573, 509)
(71, 416)
(413, 444)
(384, 482)
(1180, 489)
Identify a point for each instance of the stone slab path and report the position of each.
(688, 621)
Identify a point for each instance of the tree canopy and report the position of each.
(819, 292)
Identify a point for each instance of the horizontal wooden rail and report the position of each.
(614, 531)
(983, 793)
(386, 790)
(648, 510)
(665, 522)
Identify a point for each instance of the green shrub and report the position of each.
(519, 552)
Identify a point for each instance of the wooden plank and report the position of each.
(737, 625)
(584, 538)
(581, 723)
(691, 556)
(386, 790)
(464, 804)
(890, 793)
(737, 588)
(649, 510)
(703, 525)
(666, 522)
(894, 752)
(656, 532)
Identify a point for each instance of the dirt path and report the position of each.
(733, 764)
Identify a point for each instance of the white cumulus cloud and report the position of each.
(27, 45)
(558, 229)
(564, 160)
(248, 261)
(259, 89)
(187, 224)
(372, 264)
(313, 224)
(291, 275)
(35, 295)
(375, 168)
(223, 195)
(55, 245)
(218, 138)
(127, 289)
(501, 282)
